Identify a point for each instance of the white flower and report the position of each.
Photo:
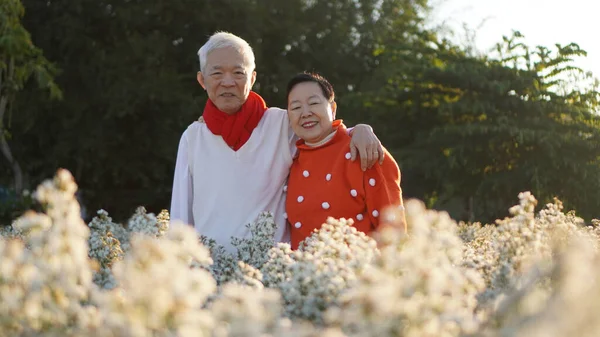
(526, 275)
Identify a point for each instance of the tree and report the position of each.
(476, 131)
(20, 60)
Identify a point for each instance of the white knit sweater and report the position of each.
(219, 191)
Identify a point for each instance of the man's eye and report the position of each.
(217, 73)
(295, 108)
(314, 103)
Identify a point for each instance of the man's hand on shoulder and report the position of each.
(367, 145)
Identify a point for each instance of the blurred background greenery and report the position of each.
(106, 88)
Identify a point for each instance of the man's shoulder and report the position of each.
(276, 110)
(193, 131)
(276, 113)
(275, 116)
(196, 126)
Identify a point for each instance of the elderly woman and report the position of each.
(323, 181)
(233, 163)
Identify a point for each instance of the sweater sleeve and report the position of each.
(382, 188)
(291, 136)
(292, 139)
(182, 195)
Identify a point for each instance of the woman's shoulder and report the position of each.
(342, 139)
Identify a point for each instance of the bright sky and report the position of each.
(542, 22)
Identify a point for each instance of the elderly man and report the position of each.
(233, 163)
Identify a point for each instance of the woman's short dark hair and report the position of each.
(326, 87)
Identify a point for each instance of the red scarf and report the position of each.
(237, 128)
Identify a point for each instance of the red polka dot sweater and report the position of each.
(324, 182)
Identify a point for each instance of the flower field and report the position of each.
(534, 273)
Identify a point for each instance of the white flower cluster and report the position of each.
(527, 275)
(541, 271)
(505, 253)
(47, 289)
(327, 263)
(252, 253)
(45, 280)
(147, 224)
(104, 248)
(109, 241)
(559, 296)
(247, 311)
(9, 232)
(416, 286)
(159, 294)
(103, 224)
(224, 267)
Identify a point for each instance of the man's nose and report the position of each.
(228, 80)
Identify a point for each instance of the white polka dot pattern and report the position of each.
(325, 205)
(372, 182)
(328, 177)
(297, 225)
(375, 213)
(353, 193)
(359, 217)
(305, 173)
(285, 188)
(348, 155)
(300, 199)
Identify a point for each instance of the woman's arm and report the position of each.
(382, 191)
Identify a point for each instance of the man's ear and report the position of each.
(333, 109)
(200, 79)
(252, 79)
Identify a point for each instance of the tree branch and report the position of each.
(4, 147)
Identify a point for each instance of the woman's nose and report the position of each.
(306, 111)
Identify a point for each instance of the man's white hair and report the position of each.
(224, 40)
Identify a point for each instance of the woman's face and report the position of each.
(309, 112)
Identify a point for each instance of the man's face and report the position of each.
(227, 79)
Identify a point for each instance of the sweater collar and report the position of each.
(340, 131)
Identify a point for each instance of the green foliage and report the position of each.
(20, 61)
(19, 58)
(13, 206)
(492, 126)
(460, 126)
